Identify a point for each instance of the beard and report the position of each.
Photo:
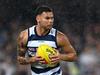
(49, 27)
(46, 26)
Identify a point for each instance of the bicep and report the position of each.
(65, 44)
(21, 51)
(21, 45)
(67, 47)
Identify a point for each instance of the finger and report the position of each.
(55, 59)
(53, 56)
(39, 58)
(44, 62)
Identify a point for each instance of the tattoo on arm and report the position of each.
(21, 50)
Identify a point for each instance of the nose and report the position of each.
(51, 20)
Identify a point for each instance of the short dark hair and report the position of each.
(42, 9)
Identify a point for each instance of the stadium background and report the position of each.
(78, 19)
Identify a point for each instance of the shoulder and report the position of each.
(23, 36)
(23, 33)
(62, 38)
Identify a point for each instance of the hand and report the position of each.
(30, 60)
(55, 58)
(22, 60)
(41, 60)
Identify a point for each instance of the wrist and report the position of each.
(22, 60)
(30, 60)
(63, 57)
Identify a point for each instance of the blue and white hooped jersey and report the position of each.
(34, 41)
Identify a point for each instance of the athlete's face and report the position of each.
(46, 20)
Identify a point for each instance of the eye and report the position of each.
(47, 17)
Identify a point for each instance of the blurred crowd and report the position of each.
(88, 51)
(78, 19)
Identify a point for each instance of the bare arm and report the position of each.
(21, 48)
(69, 52)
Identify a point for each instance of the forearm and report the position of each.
(68, 57)
(25, 61)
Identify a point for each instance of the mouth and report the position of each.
(49, 26)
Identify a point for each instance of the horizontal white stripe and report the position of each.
(48, 72)
(37, 43)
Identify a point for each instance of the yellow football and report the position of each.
(45, 51)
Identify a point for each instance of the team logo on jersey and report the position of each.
(31, 51)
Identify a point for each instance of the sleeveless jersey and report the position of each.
(34, 41)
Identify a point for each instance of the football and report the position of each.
(45, 51)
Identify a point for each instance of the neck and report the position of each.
(41, 31)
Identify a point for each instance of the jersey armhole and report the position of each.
(56, 38)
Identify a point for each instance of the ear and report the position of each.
(37, 18)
